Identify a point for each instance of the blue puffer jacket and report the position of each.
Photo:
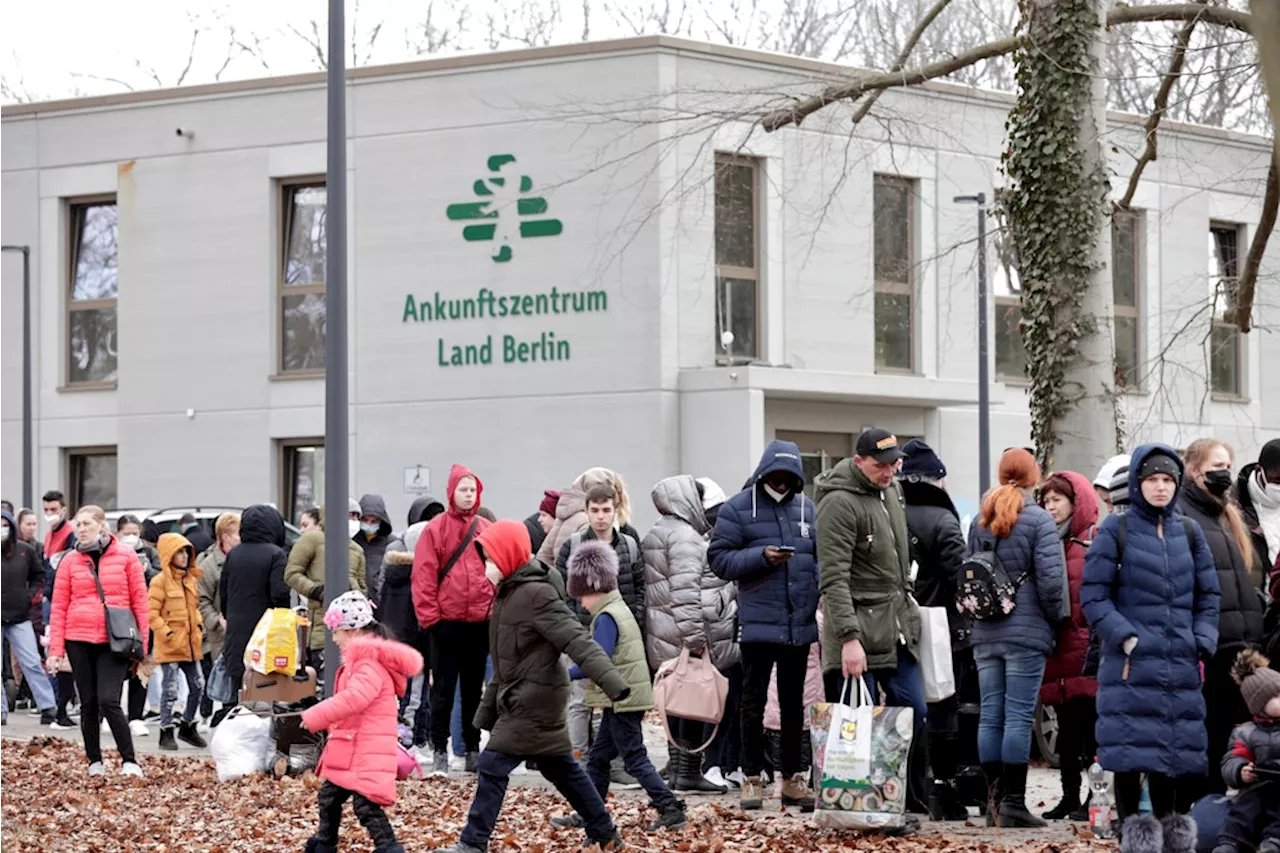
(1033, 544)
(776, 604)
(1164, 592)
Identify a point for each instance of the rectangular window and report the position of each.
(94, 286)
(737, 191)
(819, 452)
(1011, 356)
(92, 474)
(1225, 345)
(1126, 285)
(894, 203)
(302, 476)
(303, 253)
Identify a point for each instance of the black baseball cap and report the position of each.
(879, 444)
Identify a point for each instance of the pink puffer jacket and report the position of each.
(814, 692)
(76, 609)
(361, 717)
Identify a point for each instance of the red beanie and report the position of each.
(549, 500)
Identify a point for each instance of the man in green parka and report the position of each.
(871, 622)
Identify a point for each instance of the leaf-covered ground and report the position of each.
(49, 805)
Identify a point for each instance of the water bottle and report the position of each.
(1100, 802)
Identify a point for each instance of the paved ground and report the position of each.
(1043, 788)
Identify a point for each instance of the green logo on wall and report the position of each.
(497, 193)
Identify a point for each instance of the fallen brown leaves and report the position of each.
(49, 805)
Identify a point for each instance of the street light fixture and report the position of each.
(28, 492)
(984, 383)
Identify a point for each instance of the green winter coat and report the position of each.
(524, 705)
(628, 657)
(304, 573)
(863, 552)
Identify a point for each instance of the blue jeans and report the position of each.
(1009, 679)
(620, 734)
(195, 689)
(22, 639)
(563, 771)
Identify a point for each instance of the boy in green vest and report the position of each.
(593, 581)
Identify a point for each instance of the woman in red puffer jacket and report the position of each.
(1071, 500)
(78, 631)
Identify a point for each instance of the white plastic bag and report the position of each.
(242, 745)
(848, 754)
(935, 655)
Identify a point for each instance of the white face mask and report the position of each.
(1273, 491)
(371, 529)
(130, 540)
(492, 572)
(777, 496)
(4, 534)
(52, 519)
(353, 527)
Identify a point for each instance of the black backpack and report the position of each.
(984, 590)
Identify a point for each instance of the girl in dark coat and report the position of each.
(1204, 500)
(1073, 503)
(1010, 652)
(1153, 602)
(252, 581)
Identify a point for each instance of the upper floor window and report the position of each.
(93, 289)
(737, 189)
(1226, 354)
(302, 277)
(894, 247)
(1126, 286)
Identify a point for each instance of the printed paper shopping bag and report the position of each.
(861, 755)
(274, 644)
(935, 655)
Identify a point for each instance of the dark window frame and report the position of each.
(76, 220)
(75, 465)
(724, 273)
(906, 288)
(1222, 325)
(288, 189)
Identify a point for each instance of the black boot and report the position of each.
(669, 817)
(944, 802)
(1070, 800)
(994, 771)
(689, 777)
(1013, 812)
(315, 845)
(166, 739)
(668, 773)
(187, 734)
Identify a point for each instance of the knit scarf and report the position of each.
(1268, 511)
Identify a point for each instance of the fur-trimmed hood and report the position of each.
(402, 662)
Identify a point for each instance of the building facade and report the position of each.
(567, 257)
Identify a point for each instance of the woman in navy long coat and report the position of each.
(1154, 603)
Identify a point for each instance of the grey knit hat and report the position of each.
(1259, 683)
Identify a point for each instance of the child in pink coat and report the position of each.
(359, 759)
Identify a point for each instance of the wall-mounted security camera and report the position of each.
(185, 132)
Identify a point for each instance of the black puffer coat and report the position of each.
(630, 572)
(937, 548)
(1240, 613)
(252, 581)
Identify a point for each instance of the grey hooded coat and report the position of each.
(687, 604)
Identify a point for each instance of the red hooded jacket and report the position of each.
(1062, 673)
(465, 595)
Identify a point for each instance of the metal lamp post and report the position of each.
(336, 536)
(984, 381)
(28, 485)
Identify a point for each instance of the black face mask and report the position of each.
(1217, 483)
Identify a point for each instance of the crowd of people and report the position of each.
(1137, 603)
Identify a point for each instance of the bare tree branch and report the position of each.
(1258, 246)
(1219, 15)
(1150, 153)
(903, 55)
(191, 58)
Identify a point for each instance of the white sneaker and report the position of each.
(138, 728)
(105, 727)
(715, 777)
(520, 770)
(736, 777)
(97, 768)
(130, 769)
(204, 725)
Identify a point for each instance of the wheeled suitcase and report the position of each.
(281, 686)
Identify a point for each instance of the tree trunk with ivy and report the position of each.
(1056, 166)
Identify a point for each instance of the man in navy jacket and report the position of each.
(764, 542)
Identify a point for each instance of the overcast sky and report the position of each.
(64, 48)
